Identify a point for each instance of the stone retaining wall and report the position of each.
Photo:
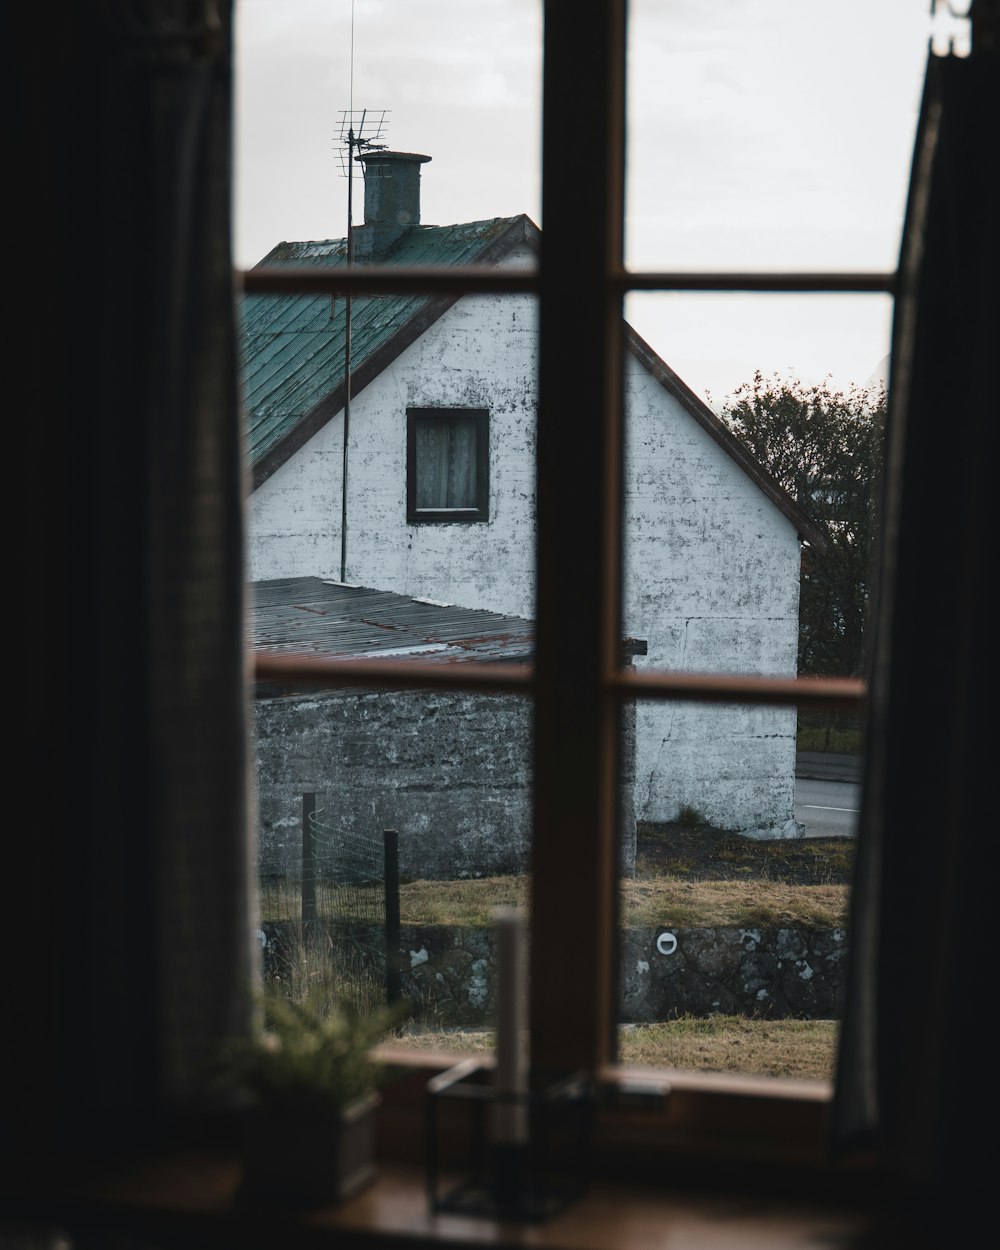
(664, 973)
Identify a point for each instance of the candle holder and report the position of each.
(528, 1180)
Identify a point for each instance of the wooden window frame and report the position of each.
(577, 682)
(449, 516)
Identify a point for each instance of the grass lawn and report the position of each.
(794, 1049)
(646, 903)
(689, 877)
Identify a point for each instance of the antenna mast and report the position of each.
(360, 131)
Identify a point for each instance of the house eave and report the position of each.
(806, 529)
(520, 230)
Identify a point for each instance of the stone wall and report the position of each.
(755, 972)
(451, 973)
(450, 771)
(729, 971)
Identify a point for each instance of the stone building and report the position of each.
(449, 770)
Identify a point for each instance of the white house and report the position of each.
(440, 490)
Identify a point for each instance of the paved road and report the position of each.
(828, 809)
(827, 793)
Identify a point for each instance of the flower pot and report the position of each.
(308, 1154)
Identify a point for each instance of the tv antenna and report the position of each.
(361, 130)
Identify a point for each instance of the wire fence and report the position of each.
(333, 931)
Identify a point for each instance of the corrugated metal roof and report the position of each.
(309, 616)
(293, 351)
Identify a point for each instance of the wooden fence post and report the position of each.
(393, 979)
(308, 862)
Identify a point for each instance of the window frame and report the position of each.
(577, 681)
(459, 516)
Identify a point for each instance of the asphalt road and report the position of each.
(828, 809)
(827, 793)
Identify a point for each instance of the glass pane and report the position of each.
(767, 135)
(734, 918)
(753, 480)
(446, 450)
(460, 83)
(448, 775)
(336, 568)
(751, 490)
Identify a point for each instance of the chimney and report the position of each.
(392, 200)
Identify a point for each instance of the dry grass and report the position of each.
(646, 902)
(468, 904)
(707, 904)
(281, 899)
(308, 970)
(792, 1049)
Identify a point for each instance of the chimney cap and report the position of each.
(377, 154)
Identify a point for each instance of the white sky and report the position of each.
(763, 134)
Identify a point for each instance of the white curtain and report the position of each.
(446, 462)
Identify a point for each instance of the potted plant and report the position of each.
(311, 1085)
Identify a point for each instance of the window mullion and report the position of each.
(572, 965)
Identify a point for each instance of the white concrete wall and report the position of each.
(712, 565)
(480, 354)
(712, 584)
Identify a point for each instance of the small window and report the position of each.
(447, 464)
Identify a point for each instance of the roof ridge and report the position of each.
(273, 256)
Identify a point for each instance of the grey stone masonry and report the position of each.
(449, 972)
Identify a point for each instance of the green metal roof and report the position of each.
(293, 351)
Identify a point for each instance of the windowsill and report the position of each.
(456, 516)
(651, 1119)
(722, 1161)
(184, 1198)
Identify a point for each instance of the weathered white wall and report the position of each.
(711, 572)
(712, 584)
(480, 354)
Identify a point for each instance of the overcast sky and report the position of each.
(763, 134)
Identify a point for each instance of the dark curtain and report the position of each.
(916, 1066)
(136, 890)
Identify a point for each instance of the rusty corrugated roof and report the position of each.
(310, 616)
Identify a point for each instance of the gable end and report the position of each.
(730, 444)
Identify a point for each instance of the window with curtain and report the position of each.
(578, 685)
(154, 752)
(447, 464)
